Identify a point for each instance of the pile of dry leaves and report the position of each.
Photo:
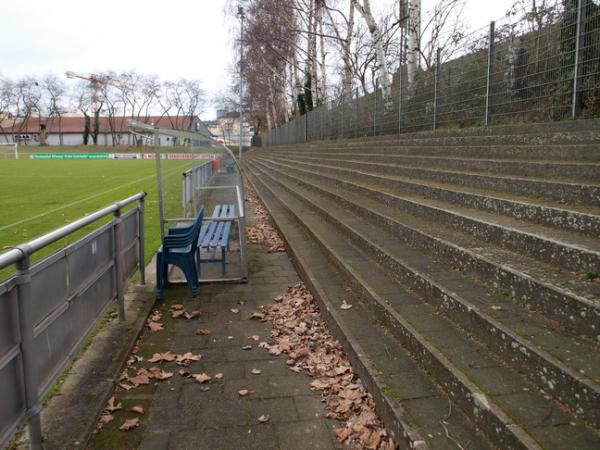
(262, 233)
(300, 333)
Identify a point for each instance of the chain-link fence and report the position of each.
(543, 66)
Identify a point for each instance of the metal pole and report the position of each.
(401, 78)
(159, 188)
(488, 81)
(118, 226)
(241, 137)
(306, 126)
(435, 86)
(30, 375)
(576, 68)
(375, 107)
(141, 239)
(356, 114)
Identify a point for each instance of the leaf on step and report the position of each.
(137, 409)
(257, 316)
(201, 378)
(140, 379)
(130, 424)
(345, 306)
(155, 326)
(243, 392)
(177, 314)
(247, 347)
(104, 419)
(184, 373)
(235, 310)
(191, 315)
(218, 376)
(176, 306)
(111, 407)
(203, 332)
(255, 372)
(264, 418)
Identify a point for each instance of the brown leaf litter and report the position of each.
(300, 333)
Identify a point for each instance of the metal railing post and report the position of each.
(576, 66)
(400, 102)
(342, 123)
(306, 126)
(375, 107)
(141, 239)
(26, 331)
(118, 227)
(435, 86)
(488, 81)
(356, 114)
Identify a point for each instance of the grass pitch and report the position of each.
(37, 196)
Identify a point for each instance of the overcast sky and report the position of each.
(180, 38)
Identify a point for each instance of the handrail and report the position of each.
(22, 251)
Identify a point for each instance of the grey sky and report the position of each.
(180, 38)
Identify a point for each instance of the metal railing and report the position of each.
(193, 179)
(48, 308)
(538, 68)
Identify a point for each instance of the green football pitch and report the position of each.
(37, 196)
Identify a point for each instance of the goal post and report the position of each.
(9, 151)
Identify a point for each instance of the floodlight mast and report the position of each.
(241, 137)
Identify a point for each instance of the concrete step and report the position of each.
(577, 218)
(570, 192)
(413, 407)
(473, 305)
(551, 290)
(513, 138)
(555, 152)
(578, 253)
(587, 172)
(487, 392)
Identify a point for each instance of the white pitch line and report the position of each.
(29, 219)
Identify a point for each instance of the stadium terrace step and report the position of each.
(576, 252)
(411, 404)
(461, 298)
(507, 407)
(569, 171)
(572, 192)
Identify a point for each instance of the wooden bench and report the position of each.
(214, 236)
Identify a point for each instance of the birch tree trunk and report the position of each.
(413, 43)
(377, 38)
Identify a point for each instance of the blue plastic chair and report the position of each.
(179, 249)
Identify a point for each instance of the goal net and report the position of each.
(9, 151)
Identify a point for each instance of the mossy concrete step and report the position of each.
(571, 250)
(553, 291)
(563, 152)
(425, 337)
(578, 218)
(578, 193)
(587, 172)
(431, 279)
(411, 405)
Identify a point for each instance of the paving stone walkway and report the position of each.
(180, 413)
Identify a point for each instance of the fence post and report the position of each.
(375, 107)
(488, 82)
(141, 239)
(306, 126)
(342, 124)
(576, 67)
(118, 227)
(435, 86)
(356, 114)
(26, 328)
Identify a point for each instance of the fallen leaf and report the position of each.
(255, 372)
(255, 338)
(235, 310)
(155, 326)
(242, 302)
(201, 378)
(497, 308)
(257, 316)
(345, 306)
(342, 433)
(191, 315)
(243, 392)
(140, 379)
(218, 376)
(129, 424)
(264, 418)
(177, 306)
(157, 357)
(137, 409)
(202, 332)
(184, 373)
(104, 419)
(247, 347)
(111, 407)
